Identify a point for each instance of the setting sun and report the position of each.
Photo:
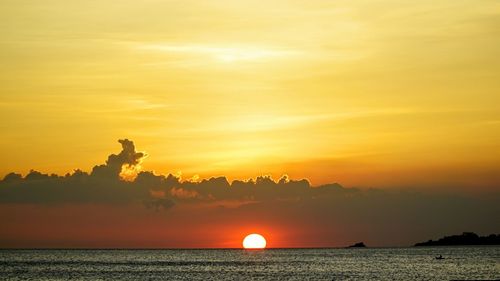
(254, 241)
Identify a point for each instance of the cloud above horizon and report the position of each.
(120, 180)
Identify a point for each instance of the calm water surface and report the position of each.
(270, 264)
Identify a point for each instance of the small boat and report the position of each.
(440, 257)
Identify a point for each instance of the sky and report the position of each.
(356, 98)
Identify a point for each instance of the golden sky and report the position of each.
(365, 93)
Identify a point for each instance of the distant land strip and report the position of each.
(466, 238)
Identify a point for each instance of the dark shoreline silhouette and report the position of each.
(358, 245)
(466, 238)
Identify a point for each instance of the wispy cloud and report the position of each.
(268, 122)
(222, 53)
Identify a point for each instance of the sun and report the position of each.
(254, 241)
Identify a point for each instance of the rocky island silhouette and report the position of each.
(358, 245)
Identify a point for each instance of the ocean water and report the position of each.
(237, 264)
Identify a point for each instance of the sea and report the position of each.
(416, 263)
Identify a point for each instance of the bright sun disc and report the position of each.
(254, 241)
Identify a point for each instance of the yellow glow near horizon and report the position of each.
(379, 94)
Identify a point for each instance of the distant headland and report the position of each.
(358, 245)
(466, 238)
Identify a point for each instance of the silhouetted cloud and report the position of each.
(103, 185)
(128, 158)
(106, 183)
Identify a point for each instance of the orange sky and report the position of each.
(397, 96)
(367, 94)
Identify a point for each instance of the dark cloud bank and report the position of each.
(326, 203)
(105, 184)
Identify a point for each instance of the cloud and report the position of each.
(184, 194)
(113, 182)
(222, 53)
(120, 165)
(120, 180)
(107, 183)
